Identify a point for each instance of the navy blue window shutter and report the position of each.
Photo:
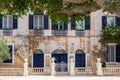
(80, 60)
(104, 21)
(45, 22)
(87, 23)
(15, 22)
(65, 26)
(72, 23)
(55, 27)
(117, 21)
(10, 51)
(117, 53)
(106, 54)
(30, 21)
(38, 60)
(0, 22)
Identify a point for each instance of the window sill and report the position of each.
(111, 63)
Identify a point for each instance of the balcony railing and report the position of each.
(7, 32)
(11, 72)
(111, 71)
(38, 32)
(80, 32)
(83, 70)
(38, 71)
(59, 32)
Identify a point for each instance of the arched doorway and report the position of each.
(38, 58)
(61, 60)
(80, 58)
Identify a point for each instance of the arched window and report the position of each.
(61, 60)
(38, 58)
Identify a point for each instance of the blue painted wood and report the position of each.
(73, 23)
(117, 21)
(45, 22)
(106, 54)
(80, 60)
(10, 51)
(60, 57)
(65, 25)
(0, 22)
(38, 60)
(87, 23)
(104, 21)
(15, 22)
(117, 53)
(31, 22)
(61, 60)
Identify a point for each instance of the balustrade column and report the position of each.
(99, 71)
(53, 72)
(72, 68)
(25, 67)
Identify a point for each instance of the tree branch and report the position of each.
(70, 11)
(42, 8)
(75, 1)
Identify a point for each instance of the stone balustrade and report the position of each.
(111, 71)
(83, 70)
(11, 72)
(38, 71)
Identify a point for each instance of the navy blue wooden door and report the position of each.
(61, 61)
(117, 53)
(38, 60)
(80, 60)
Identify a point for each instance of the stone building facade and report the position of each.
(33, 36)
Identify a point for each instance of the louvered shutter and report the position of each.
(65, 26)
(15, 22)
(117, 53)
(104, 21)
(73, 23)
(106, 54)
(117, 21)
(1, 23)
(30, 21)
(45, 22)
(87, 23)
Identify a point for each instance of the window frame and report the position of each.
(79, 26)
(111, 45)
(38, 22)
(59, 25)
(12, 54)
(7, 24)
(114, 20)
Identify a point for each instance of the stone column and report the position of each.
(72, 68)
(53, 72)
(25, 67)
(99, 71)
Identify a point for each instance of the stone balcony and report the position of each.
(59, 32)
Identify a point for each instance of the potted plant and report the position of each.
(110, 34)
(4, 51)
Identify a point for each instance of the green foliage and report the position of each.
(103, 64)
(111, 5)
(53, 7)
(110, 34)
(4, 51)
